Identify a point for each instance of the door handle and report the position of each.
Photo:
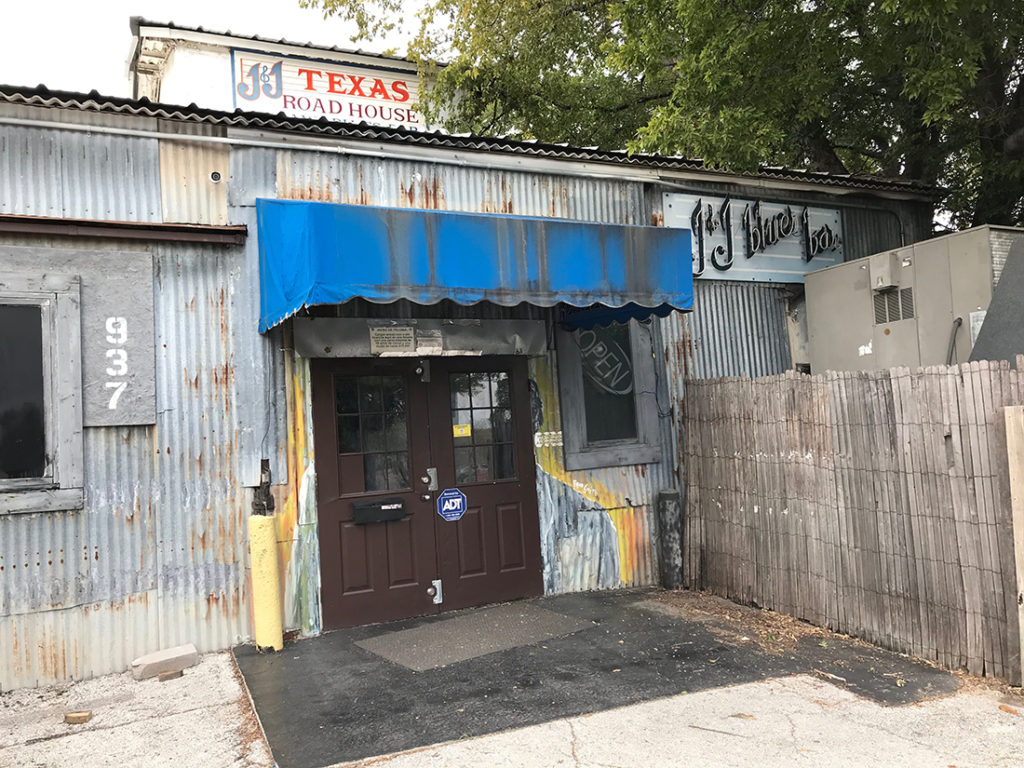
(430, 478)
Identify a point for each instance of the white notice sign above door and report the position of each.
(393, 340)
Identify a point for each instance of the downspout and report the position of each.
(952, 339)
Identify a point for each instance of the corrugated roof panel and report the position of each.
(95, 102)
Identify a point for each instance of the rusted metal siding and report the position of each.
(159, 555)
(47, 172)
(408, 184)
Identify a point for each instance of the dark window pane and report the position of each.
(482, 427)
(348, 434)
(465, 471)
(504, 461)
(501, 396)
(459, 385)
(483, 463)
(373, 432)
(370, 400)
(501, 425)
(608, 396)
(393, 391)
(397, 432)
(22, 427)
(375, 471)
(398, 471)
(346, 393)
(479, 390)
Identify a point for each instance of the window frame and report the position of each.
(645, 448)
(61, 486)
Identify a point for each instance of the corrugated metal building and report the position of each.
(156, 551)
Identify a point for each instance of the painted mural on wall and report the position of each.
(298, 544)
(590, 534)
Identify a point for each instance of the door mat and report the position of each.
(473, 634)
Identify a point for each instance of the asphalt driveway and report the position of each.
(365, 691)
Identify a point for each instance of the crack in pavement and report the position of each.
(572, 743)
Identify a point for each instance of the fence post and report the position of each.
(670, 524)
(1014, 416)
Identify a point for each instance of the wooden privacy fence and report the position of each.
(873, 503)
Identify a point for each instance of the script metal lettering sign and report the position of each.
(756, 240)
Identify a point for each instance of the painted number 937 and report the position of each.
(117, 359)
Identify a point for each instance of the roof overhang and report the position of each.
(324, 253)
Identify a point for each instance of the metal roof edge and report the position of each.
(172, 31)
(665, 166)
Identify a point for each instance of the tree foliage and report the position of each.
(928, 90)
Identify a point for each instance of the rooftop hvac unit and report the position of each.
(918, 305)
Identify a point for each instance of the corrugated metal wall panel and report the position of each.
(159, 555)
(78, 175)
(400, 183)
(867, 231)
(677, 355)
(735, 329)
(188, 192)
(30, 172)
(202, 532)
(110, 177)
(253, 175)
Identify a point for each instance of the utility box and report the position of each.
(918, 305)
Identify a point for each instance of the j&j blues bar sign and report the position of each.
(754, 240)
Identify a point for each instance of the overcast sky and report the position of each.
(83, 46)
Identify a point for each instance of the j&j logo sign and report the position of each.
(756, 240)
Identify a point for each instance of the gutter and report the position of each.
(123, 230)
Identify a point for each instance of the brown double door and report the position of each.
(383, 430)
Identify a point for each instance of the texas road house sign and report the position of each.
(755, 240)
(451, 504)
(320, 89)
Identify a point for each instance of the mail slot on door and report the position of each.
(377, 511)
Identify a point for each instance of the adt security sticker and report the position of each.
(451, 504)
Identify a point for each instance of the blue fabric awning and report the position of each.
(324, 253)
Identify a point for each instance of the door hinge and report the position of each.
(436, 592)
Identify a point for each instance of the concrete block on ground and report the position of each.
(168, 660)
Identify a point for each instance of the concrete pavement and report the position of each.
(201, 719)
(793, 721)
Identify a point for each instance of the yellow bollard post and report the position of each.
(266, 583)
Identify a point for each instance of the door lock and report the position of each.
(430, 478)
(435, 591)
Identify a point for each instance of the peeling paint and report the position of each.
(296, 521)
